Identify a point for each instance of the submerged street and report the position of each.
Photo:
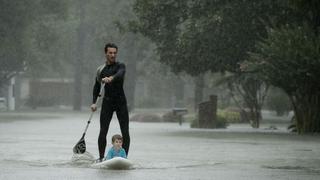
(39, 146)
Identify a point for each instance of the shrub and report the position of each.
(221, 122)
(230, 116)
(171, 117)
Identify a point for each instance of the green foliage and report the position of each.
(230, 116)
(199, 36)
(221, 122)
(289, 58)
(160, 21)
(248, 92)
(16, 18)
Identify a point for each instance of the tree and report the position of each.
(289, 59)
(202, 35)
(248, 93)
(100, 24)
(16, 20)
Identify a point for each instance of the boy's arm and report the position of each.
(110, 154)
(123, 153)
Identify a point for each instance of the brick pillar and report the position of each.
(208, 113)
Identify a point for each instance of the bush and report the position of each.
(171, 117)
(194, 123)
(230, 116)
(221, 122)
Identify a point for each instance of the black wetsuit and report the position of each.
(114, 99)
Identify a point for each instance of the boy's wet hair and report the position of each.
(116, 137)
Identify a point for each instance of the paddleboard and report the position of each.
(114, 163)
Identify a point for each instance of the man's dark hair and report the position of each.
(110, 45)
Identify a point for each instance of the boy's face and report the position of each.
(117, 144)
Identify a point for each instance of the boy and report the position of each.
(116, 150)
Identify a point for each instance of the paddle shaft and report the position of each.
(91, 115)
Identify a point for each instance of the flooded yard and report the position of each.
(39, 146)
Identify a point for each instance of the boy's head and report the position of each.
(116, 137)
(117, 141)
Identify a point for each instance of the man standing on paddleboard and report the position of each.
(112, 74)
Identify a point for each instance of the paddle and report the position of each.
(80, 147)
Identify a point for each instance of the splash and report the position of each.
(84, 159)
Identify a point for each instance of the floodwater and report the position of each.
(39, 146)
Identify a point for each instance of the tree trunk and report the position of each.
(198, 94)
(179, 92)
(78, 76)
(307, 112)
(255, 113)
(253, 93)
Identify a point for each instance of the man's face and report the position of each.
(111, 54)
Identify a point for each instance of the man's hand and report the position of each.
(107, 79)
(93, 107)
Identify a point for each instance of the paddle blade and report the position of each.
(80, 147)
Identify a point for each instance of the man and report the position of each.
(112, 74)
